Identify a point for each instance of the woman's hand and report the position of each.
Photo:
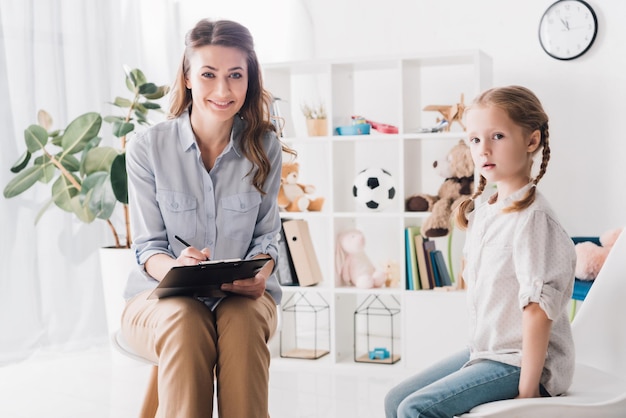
(253, 287)
(191, 256)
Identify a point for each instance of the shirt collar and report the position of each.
(187, 138)
(515, 196)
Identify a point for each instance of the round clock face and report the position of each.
(567, 29)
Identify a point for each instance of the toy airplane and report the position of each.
(451, 113)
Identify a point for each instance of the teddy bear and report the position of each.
(458, 170)
(353, 266)
(590, 256)
(293, 196)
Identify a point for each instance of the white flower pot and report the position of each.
(115, 265)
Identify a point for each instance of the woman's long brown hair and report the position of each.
(256, 108)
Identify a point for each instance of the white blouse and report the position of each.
(513, 259)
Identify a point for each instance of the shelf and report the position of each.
(391, 90)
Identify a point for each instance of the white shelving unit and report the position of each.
(393, 91)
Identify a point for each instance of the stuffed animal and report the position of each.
(590, 257)
(293, 196)
(458, 170)
(353, 266)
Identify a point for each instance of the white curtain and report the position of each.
(67, 57)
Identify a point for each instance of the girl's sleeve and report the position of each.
(544, 263)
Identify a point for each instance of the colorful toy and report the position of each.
(293, 196)
(374, 188)
(590, 257)
(451, 113)
(379, 353)
(458, 170)
(353, 266)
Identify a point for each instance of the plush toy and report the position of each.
(353, 266)
(590, 257)
(293, 196)
(458, 170)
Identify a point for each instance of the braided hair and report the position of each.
(525, 110)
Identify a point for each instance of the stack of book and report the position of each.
(425, 265)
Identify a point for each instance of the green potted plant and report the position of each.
(84, 176)
(88, 178)
(315, 119)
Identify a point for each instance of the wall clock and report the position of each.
(567, 29)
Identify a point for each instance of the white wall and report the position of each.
(584, 98)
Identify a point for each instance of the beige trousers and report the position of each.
(189, 343)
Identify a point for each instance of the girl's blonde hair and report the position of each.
(256, 108)
(525, 110)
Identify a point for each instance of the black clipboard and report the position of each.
(205, 279)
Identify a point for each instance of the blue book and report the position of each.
(442, 269)
(433, 262)
(411, 257)
(409, 277)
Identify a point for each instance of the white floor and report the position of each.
(101, 383)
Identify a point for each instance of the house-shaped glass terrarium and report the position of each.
(305, 330)
(377, 330)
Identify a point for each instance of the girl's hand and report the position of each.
(191, 256)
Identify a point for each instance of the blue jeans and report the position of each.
(446, 389)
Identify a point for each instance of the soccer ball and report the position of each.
(374, 188)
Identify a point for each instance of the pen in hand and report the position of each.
(182, 241)
(185, 243)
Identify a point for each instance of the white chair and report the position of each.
(599, 387)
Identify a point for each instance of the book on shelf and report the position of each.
(433, 263)
(421, 262)
(412, 272)
(298, 238)
(429, 246)
(442, 269)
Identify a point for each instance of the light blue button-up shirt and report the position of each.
(171, 193)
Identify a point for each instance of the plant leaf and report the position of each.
(161, 91)
(36, 138)
(119, 178)
(48, 172)
(101, 201)
(44, 119)
(80, 131)
(151, 105)
(121, 129)
(70, 162)
(98, 159)
(80, 207)
(112, 119)
(122, 102)
(23, 181)
(148, 88)
(62, 193)
(138, 77)
(21, 162)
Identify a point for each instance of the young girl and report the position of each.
(210, 175)
(519, 273)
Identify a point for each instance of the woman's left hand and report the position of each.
(253, 287)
